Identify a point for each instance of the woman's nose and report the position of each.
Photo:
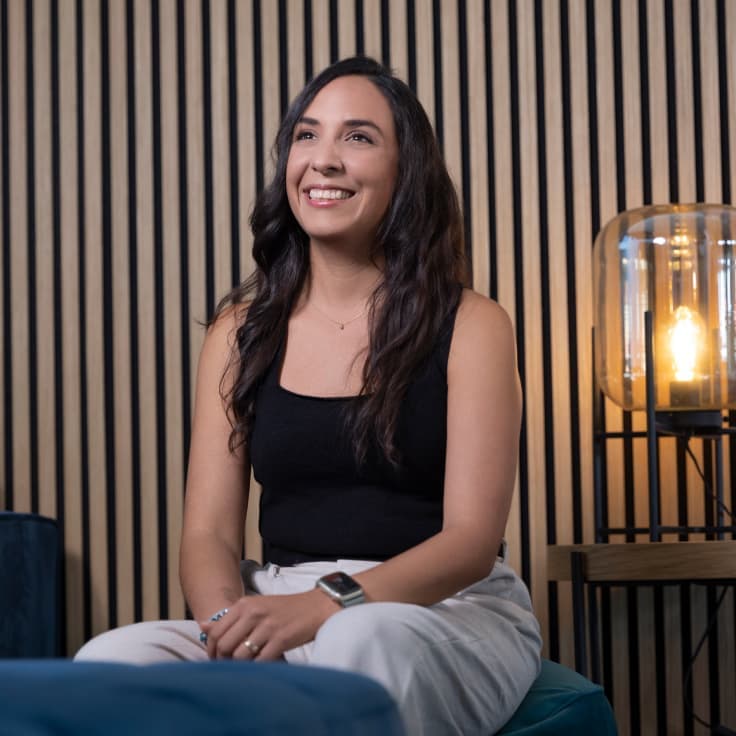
(326, 158)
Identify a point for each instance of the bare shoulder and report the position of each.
(221, 332)
(218, 356)
(481, 369)
(482, 327)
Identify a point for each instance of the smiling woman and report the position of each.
(378, 403)
(343, 165)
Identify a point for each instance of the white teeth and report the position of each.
(328, 194)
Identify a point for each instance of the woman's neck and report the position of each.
(340, 283)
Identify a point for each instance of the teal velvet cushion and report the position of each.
(63, 698)
(29, 585)
(562, 703)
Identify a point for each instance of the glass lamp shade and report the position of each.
(678, 262)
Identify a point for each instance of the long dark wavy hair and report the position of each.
(421, 239)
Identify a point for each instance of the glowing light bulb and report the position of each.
(685, 338)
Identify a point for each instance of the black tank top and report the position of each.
(317, 502)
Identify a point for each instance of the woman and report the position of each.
(378, 402)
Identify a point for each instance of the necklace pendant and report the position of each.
(342, 326)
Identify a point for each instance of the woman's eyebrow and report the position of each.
(352, 123)
(360, 123)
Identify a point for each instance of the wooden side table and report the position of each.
(641, 563)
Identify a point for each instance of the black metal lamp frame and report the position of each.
(703, 424)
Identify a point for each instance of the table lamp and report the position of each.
(664, 333)
(676, 262)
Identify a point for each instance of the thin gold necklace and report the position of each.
(341, 324)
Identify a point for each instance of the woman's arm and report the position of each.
(217, 487)
(483, 423)
(214, 518)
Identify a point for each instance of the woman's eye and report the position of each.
(303, 135)
(359, 137)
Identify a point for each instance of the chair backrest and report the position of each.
(30, 591)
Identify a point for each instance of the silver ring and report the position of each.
(254, 648)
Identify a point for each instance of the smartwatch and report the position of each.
(341, 588)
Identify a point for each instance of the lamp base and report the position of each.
(691, 422)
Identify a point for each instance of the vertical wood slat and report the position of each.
(320, 35)
(220, 149)
(195, 174)
(425, 58)
(372, 28)
(630, 190)
(295, 37)
(346, 29)
(580, 229)
(711, 119)
(146, 308)
(93, 327)
(557, 264)
(730, 14)
(270, 72)
(17, 128)
(43, 277)
(478, 143)
(71, 448)
(5, 499)
(167, 347)
(398, 46)
(530, 280)
(684, 95)
(506, 246)
(248, 155)
(606, 197)
(121, 311)
(172, 291)
(450, 88)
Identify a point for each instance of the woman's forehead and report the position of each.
(350, 98)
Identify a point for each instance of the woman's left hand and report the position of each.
(263, 627)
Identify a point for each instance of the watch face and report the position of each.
(341, 583)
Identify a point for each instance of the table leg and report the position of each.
(578, 610)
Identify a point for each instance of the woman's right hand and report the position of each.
(263, 627)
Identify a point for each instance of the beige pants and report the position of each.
(459, 667)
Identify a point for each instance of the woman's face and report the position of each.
(343, 164)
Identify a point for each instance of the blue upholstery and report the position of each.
(562, 702)
(64, 698)
(29, 585)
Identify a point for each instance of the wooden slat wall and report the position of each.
(133, 138)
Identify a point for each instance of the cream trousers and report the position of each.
(457, 668)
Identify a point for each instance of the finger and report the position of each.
(249, 648)
(215, 647)
(273, 643)
(269, 652)
(220, 634)
(230, 642)
(205, 633)
(205, 627)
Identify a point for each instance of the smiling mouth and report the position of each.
(329, 194)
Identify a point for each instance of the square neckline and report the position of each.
(279, 364)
